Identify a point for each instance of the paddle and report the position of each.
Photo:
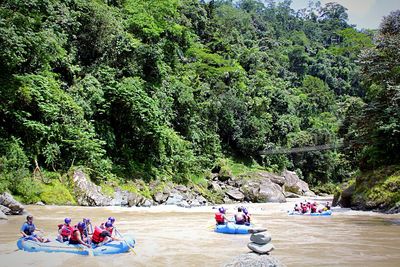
(130, 248)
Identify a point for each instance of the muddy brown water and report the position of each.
(172, 236)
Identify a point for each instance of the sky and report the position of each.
(366, 14)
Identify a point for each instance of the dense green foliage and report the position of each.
(148, 89)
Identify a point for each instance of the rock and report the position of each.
(181, 188)
(40, 203)
(195, 203)
(135, 199)
(5, 210)
(261, 239)
(3, 216)
(160, 197)
(183, 204)
(147, 203)
(174, 199)
(87, 193)
(273, 177)
(120, 198)
(8, 201)
(270, 192)
(294, 184)
(235, 194)
(344, 199)
(202, 200)
(215, 186)
(260, 249)
(254, 260)
(291, 195)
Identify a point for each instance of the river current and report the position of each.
(173, 236)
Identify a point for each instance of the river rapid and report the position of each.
(173, 236)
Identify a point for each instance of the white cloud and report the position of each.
(356, 8)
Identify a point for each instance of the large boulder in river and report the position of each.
(235, 194)
(295, 185)
(262, 190)
(15, 208)
(254, 260)
(87, 193)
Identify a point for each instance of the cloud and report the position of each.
(358, 8)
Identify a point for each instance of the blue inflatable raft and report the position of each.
(324, 213)
(114, 247)
(233, 228)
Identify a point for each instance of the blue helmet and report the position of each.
(86, 220)
(222, 210)
(108, 224)
(81, 225)
(67, 220)
(111, 219)
(245, 211)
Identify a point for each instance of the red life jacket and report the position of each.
(66, 230)
(219, 217)
(97, 238)
(73, 237)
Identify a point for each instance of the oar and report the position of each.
(130, 248)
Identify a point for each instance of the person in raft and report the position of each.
(88, 229)
(65, 230)
(240, 216)
(77, 235)
(112, 221)
(103, 236)
(246, 216)
(28, 231)
(220, 217)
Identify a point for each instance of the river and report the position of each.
(172, 236)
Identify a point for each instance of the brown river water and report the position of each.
(173, 236)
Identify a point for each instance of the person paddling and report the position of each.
(246, 216)
(28, 230)
(103, 236)
(239, 216)
(220, 217)
(77, 235)
(65, 230)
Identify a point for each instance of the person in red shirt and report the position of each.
(220, 217)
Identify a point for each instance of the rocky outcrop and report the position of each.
(262, 190)
(87, 193)
(295, 185)
(13, 206)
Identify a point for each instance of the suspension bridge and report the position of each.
(294, 150)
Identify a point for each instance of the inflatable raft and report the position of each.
(114, 247)
(324, 213)
(233, 228)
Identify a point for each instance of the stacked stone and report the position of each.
(260, 243)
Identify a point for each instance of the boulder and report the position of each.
(235, 194)
(3, 216)
(294, 184)
(8, 201)
(262, 190)
(5, 210)
(254, 260)
(87, 193)
(148, 203)
(160, 197)
(40, 203)
(181, 188)
(215, 186)
(273, 177)
(174, 199)
(135, 199)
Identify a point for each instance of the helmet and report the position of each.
(86, 220)
(245, 211)
(29, 217)
(222, 210)
(81, 225)
(111, 219)
(67, 220)
(108, 224)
